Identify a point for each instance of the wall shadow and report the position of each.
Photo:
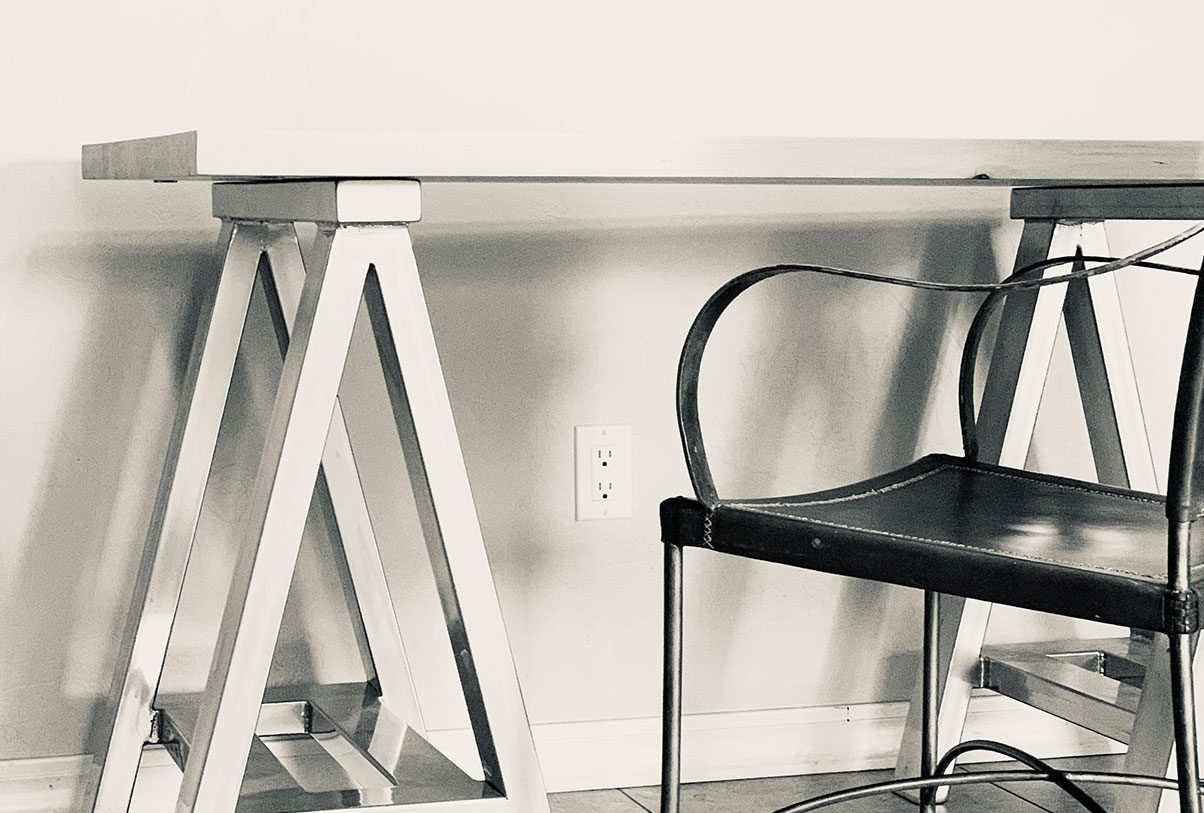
(504, 308)
(798, 432)
(100, 327)
(537, 332)
(127, 324)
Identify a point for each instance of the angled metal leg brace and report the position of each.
(1005, 429)
(1151, 744)
(449, 520)
(1016, 380)
(284, 486)
(173, 525)
(248, 247)
(220, 748)
(363, 236)
(338, 486)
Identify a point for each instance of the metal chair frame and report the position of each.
(1184, 507)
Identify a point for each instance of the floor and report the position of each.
(770, 794)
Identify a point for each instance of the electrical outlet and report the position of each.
(603, 476)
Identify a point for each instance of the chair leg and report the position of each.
(929, 677)
(671, 710)
(1183, 700)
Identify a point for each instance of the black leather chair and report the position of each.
(960, 526)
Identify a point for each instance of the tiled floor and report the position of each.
(770, 794)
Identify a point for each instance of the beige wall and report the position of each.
(552, 307)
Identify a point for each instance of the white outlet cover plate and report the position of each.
(616, 440)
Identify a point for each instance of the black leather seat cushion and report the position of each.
(965, 528)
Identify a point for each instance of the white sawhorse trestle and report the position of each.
(1102, 685)
(218, 738)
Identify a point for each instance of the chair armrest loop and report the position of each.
(1026, 279)
(967, 413)
(687, 375)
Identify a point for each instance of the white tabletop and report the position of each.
(245, 155)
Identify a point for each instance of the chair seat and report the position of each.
(965, 528)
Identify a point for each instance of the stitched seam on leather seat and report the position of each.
(940, 468)
(1000, 554)
(848, 497)
(1067, 486)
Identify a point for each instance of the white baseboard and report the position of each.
(774, 742)
(626, 753)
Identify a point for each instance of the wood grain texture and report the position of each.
(1109, 203)
(251, 155)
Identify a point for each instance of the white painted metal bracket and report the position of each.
(1015, 383)
(216, 737)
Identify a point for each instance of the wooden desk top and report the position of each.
(245, 155)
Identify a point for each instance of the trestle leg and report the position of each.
(173, 523)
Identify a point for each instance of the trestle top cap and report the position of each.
(394, 201)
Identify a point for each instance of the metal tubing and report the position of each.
(1179, 557)
(1151, 740)
(339, 487)
(1008, 412)
(1020, 358)
(1015, 379)
(447, 514)
(173, 524)
(283, 489)
(1103, 365)
(225, 724)
(671, 708)
(1183, 701)
(929, 677)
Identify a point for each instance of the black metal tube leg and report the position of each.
(1184, 707)
(928, 739)
(671, 710)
